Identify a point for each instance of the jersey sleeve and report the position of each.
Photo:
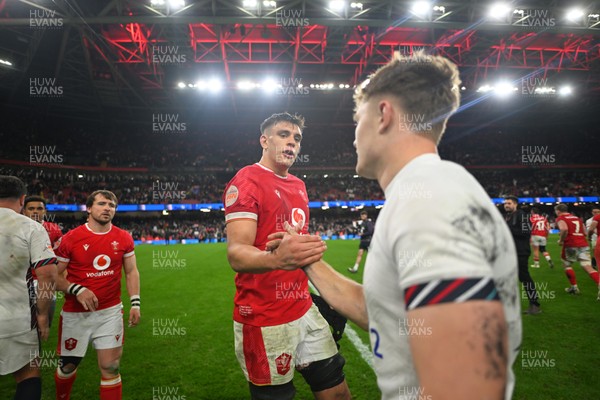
(447, 261)
(241, 198)
(129, 245)
(63, 252)
(40, 250)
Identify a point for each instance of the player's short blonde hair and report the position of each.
(424, 85)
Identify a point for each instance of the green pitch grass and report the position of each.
(183, 348)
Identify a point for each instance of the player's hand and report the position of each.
(295, 251)
(42, 326)
(275, 238)
(88, 300)
(134, 317)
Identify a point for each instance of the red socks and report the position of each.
(64, 384)
(111, 389)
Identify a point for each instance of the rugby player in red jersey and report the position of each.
(575, 246)
(277, 327)
(35, 208)
(539, 236)
(94, 254)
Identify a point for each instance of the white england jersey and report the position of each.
(588, 222)
(24, 245)
(438, 225)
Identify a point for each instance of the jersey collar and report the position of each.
(98, 233)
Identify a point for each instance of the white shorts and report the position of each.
(104, 328)
(18, 351)
(573, 254)
(538, 240)
(268, 355)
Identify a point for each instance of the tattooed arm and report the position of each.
(465, 355)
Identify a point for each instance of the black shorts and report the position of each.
(364, 245)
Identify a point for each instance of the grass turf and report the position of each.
(183, 348)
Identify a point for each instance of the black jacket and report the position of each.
(520, 228)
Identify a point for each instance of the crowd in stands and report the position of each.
(60, 186)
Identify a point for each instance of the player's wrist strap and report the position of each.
(135, 301)
(75, 289)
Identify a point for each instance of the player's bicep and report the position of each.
(242, 231)
(471, 336)
(129, 264)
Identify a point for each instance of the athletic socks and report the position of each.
(571, 276)
(111, 389)
(64, 384)
(29, 389)
(594, 276)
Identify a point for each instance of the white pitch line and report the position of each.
(362, 348)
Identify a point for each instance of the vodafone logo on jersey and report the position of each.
(231, 196)
(101, 262)
(298, 218)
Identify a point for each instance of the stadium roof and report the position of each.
(122, 57)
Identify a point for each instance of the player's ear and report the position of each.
(263, 141)
(22, 201)
(386, 115)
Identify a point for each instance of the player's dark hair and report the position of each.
(562, 207)
(515, 199)
(364, 213)
(106, 193)
(534, 210)
(29, 199)
(295, 119)
(11, 187)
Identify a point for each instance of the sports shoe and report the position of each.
(533, 310)
(353, 270)
(572, 290)
(551, 263)
(535, 266)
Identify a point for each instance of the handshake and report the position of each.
(293, 250)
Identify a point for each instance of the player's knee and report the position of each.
(68, 365)
(324, 374)
(287, 391)
(110, 367)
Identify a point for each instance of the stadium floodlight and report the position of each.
(337, 5)
(544, 90)
(176, 4)
(358, 6)
(4, 62)
(191, 85)
(499, 11)
(246, 85)
(215, 85)
(504, 89)
(269, 85)
(565, 91)
(249, 3)
(200, 85)
(574, 14)
(155, 3)
(181, 85)
(269, 4)
(420, 8)
(485, 88)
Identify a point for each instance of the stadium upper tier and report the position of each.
(72, 186)
(194, 150)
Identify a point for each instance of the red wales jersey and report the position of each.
(539, 225)
(95, 260)
(54, 232)
(575, 236)
(257, 193)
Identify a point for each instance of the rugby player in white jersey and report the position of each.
(440, 296)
